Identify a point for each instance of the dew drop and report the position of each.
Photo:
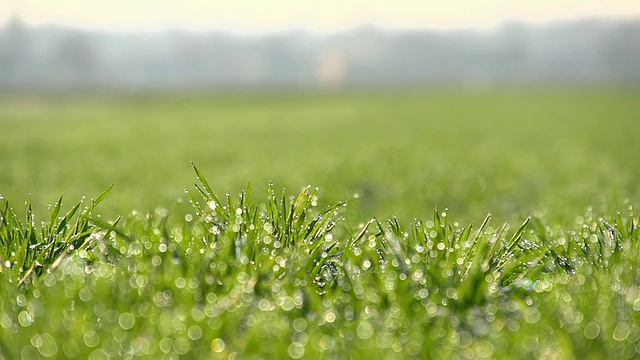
(217, 345)
(592, 330)
(621, 332)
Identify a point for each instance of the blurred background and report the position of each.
(493, 106)
(116, 45)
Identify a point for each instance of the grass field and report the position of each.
(553, 273)
(508, 152)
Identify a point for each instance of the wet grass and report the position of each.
(552, 272)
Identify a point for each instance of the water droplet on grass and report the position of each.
(25, 319)
(327, 343)
(217, 345)
(181, 346)
(91, 338)
(195, 332)
(330, 317)
(296, 350)
(364, 330)
(621, 332)
(299, 324)
(45, 344)
(264, 305)
(592, 330)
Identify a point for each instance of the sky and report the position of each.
(319, 15)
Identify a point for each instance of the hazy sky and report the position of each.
(323, 15)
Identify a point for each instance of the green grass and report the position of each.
(551, 273)
(510, 152)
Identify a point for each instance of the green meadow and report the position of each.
(509, 152)
(321, 224)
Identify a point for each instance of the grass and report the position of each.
(551, 273)
(505, 151)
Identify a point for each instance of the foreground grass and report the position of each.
(290, 278)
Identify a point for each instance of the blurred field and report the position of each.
(511, 152)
